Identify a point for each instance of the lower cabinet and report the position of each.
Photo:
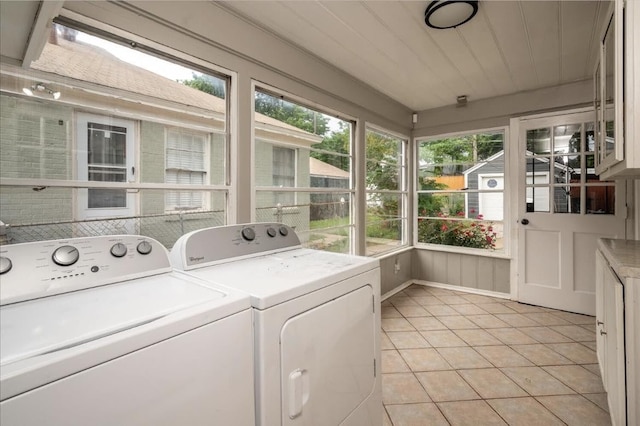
(618, 327)
(610, 337)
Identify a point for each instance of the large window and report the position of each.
(303, 171)
(386, 180)
(116, 139)
(460, 190)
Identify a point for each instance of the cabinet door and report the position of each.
(609, 97)
(614, 372)
(601, 267)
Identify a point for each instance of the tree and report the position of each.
(452, 156)
(337, 142)
(295, 115)
(290, 113)
(206, 83)
(383, 167)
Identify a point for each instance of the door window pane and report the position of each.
(600, 199)
(567, 138)
(107, 198)
(564, 181)
(107, 162)
(539, 141)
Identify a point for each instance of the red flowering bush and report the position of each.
(457, 231)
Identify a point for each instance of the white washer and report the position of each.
(101, 331)
(317, 321)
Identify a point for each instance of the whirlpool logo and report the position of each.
(193, 259)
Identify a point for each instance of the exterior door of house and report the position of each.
(562, 209)
(105, 153)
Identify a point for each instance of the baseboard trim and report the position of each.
(396, 290)
(462, 289)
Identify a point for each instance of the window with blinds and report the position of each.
(284, 174)
(186, 165)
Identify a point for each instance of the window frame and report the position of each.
(402, 192)
(165, 113)
(261, 87)
(505, 252)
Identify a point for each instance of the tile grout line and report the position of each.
(406, 301)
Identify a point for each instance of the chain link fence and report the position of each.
(166, 228)
(321, 224)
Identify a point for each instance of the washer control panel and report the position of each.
(214, 245)
(45, 268)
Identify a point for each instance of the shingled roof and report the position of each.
(93, 64)
(320, 168)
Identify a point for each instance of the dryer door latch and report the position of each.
(298, 392)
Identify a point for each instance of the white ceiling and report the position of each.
(508, 47)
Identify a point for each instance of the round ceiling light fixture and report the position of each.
(443, 14)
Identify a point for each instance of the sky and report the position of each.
(158, 66)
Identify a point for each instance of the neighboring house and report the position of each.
(120, 123)
(486, 175)
(282, 161)
(325, 175)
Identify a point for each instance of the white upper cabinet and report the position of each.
(617, 93)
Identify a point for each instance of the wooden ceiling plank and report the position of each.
(578, 40)
(507, 24)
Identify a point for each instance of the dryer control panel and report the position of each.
(45, 268)
(209, 246)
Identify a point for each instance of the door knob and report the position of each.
(524, 221)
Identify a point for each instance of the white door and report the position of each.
(105, 154)
(563, 208)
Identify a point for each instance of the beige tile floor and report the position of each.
(454, 358)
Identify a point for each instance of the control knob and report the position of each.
(5, 264)
(284, 231)
(118, 250)
(248, 234)
(144, 247)
(65, 255)
(271, 232)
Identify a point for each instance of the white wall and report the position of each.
(496, 112)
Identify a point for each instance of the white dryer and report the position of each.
(317, 321)
(101, 331)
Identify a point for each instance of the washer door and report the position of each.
(328, 360)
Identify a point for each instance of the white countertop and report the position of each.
(623, 256)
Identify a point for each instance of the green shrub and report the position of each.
(457, 232)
